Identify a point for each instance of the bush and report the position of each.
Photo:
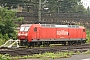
(88, 35)
(5, 37)
(7, 25)
(1, 36)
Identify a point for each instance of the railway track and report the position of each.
(37, 50)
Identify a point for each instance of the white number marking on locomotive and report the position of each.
(62, 32)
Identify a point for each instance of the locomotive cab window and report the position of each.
(35, 29)
(24, 28)
(83, 30)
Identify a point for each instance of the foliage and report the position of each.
(4, 57)
(86, 52)
(44, 56)
(72, 6)
(87, 10)
(65, 6)
(51, 55)
(48, 55)
(1, 41)
(7, 25)
(56, 6)
(88, 35)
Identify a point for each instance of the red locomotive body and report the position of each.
(51, 34)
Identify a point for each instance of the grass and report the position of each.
(87, 52)
(5, 57)
(48, 55)
(44, 56)
(41, 56)
(2, 42)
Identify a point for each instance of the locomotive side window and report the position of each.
(83, 30)
(26, 29)
(35, 29)
(22, 28)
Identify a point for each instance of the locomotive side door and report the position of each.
(37, 33)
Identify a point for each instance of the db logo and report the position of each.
(62, 32)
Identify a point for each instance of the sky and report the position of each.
(86, 3)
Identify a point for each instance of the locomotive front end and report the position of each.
(23, 32)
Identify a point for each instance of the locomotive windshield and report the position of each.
(24, 28)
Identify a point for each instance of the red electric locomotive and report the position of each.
(38, 34)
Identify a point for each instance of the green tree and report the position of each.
(15, 3)
(88, 10)
(65, 6)
(7, 25)
(56, 6)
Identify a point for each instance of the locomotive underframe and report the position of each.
(44, 42)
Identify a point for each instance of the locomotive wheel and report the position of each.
(69, 43)
(34, 44)
(84, 41)
(64, 43)
(79, 43)
(21, 43)
(46, 44)
(30, 44)
(38, 44)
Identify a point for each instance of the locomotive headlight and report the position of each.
(26, 34)
(19, 34)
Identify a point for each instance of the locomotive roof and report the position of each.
(26, 24)
(60, 26)
(54, 25)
